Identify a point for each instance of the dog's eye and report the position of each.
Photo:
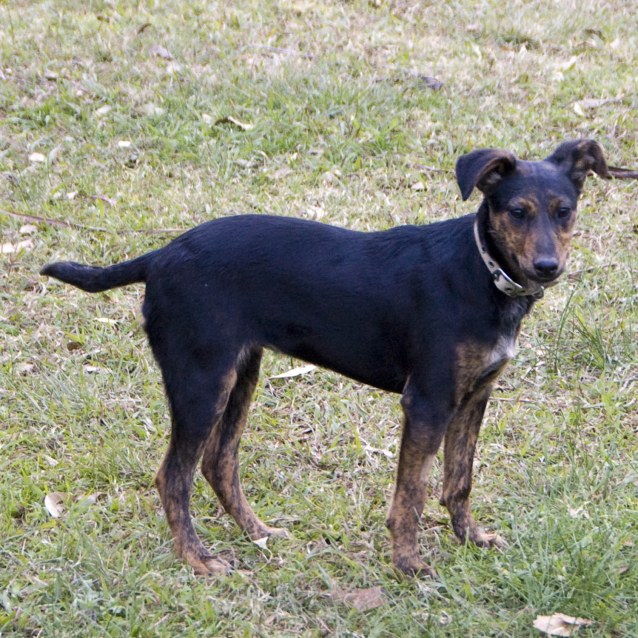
(517, 213)
(563, 212)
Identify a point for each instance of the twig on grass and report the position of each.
(97, 229)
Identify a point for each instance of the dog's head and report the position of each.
(531, 206)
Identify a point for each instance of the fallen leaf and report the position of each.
(173, 67)
(594, 103)
(559, 624)
(23, 369)
(360, 599)
(569, 64)
(229, 119)
(91, 369)
(152, 110)
(54, 503)
(106, 320)
(53, 154)
(88, 499)
(282, 173)
(161, 52)
(295, 372)
(9, 248)
(103, 110)
(431, 82)
(578, 109)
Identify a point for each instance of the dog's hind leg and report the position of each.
(198, 394)
(220, 464)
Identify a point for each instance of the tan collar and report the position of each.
(500, 278)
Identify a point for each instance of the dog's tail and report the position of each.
(96, 279)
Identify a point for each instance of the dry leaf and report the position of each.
(92, 369)
(261, 542)
(88, 499)
(432, 83)
(235, 122)
(152, 110)
(559, 624)
(569, 64)
(54, 503)
(161, 52)
(28, 229)
(103, 110)
(9, 248)
(360, 599)
(23, 369)
(106, 320)
(295, 372)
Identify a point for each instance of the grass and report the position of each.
(152, 117)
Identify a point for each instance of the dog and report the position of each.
(428, 312)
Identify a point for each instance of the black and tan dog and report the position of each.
(430, 312)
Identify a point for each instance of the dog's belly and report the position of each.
(359, 364)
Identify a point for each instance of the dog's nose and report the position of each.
(546, 267)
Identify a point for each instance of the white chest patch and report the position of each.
(504, 350)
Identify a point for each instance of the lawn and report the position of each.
(124, 123)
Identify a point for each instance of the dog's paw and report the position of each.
(207, 565)
(413, 566)
(265, 532)
(277, 532)
(481, 538)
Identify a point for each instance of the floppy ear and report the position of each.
(482, 169)
(577, 158)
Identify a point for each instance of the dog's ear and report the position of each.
(577, 158)
(482, 169)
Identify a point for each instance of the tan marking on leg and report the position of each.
(220, 464)
(406, 509)
(174, 482)
(460, 446)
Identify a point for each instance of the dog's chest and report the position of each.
(478, 365)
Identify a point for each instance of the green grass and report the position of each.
(340, 126)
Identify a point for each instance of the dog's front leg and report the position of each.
(423, 429)
(460, 444)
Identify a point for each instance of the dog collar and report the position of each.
(500, 278)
